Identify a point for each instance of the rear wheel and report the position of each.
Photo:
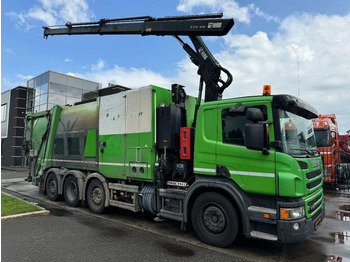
(96, 196)
(51, 187)
(71, 191)
(214, 219)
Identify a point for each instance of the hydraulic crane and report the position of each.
(193, 26)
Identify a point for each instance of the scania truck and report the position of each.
(244, 165)
(328, 144)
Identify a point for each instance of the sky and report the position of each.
(298, 47)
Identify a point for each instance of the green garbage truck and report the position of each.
(245, 165)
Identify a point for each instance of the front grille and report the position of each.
(316, 215)
(303, 165)
(314, 183)
(313, 174)
(312, 206)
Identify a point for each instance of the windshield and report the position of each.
(297, 134)
(322, 138)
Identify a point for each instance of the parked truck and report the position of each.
(344, 141)
(223, 166)
(327, 141)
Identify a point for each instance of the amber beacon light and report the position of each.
(267, 90)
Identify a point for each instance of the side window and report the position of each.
(233, 125)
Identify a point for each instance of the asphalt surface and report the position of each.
(73, 236)
(76, 234)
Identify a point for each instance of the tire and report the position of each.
(96, 196)
(71, 191)
(214, 219)
(51, 187)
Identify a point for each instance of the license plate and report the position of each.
(318, 223)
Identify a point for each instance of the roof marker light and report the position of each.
(267, 90)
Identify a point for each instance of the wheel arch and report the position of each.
(225, 187)
(104, 182)
(80, 176)
(55, 171)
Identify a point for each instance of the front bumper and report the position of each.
(287, 234)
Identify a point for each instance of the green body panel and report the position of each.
(129, 152)
(128, 156)
(205, 140)
(290, 177)
(90, 145)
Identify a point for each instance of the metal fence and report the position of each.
(336, 169)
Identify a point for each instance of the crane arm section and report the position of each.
(193, 26)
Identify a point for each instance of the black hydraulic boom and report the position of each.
(193, 26)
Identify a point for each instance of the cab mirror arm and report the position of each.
(276, 144)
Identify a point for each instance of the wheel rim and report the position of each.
(71, 191)
(96, 196)
(52, 186)
(214, 218)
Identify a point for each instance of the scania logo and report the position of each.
(315, 163)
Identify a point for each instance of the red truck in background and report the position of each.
(328, 144)
(345, 142)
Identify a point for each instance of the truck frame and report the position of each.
(245, 164)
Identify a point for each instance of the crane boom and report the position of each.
(193, 26)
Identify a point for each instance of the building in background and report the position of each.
(53, 88)
(13, 109)
(42, 93)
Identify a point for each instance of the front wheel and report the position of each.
(214, 219)
(96, 196)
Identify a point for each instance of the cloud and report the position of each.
(51, 12)
(229, 7)
(9, 83)
(130, 77)
(99, 66)
(68, 60)
(10, 51)
(308, 56)
(24, 77)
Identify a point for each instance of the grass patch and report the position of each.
(11, 206)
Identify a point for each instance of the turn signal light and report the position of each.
(266, 215)
(285, 213)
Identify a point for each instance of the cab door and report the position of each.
(252, 170)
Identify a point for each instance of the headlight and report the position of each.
(292, 213)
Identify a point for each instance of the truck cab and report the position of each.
(264, 148)
(327, 141)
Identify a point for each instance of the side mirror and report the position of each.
(254, 136)
(254, 114)
(254, 132)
